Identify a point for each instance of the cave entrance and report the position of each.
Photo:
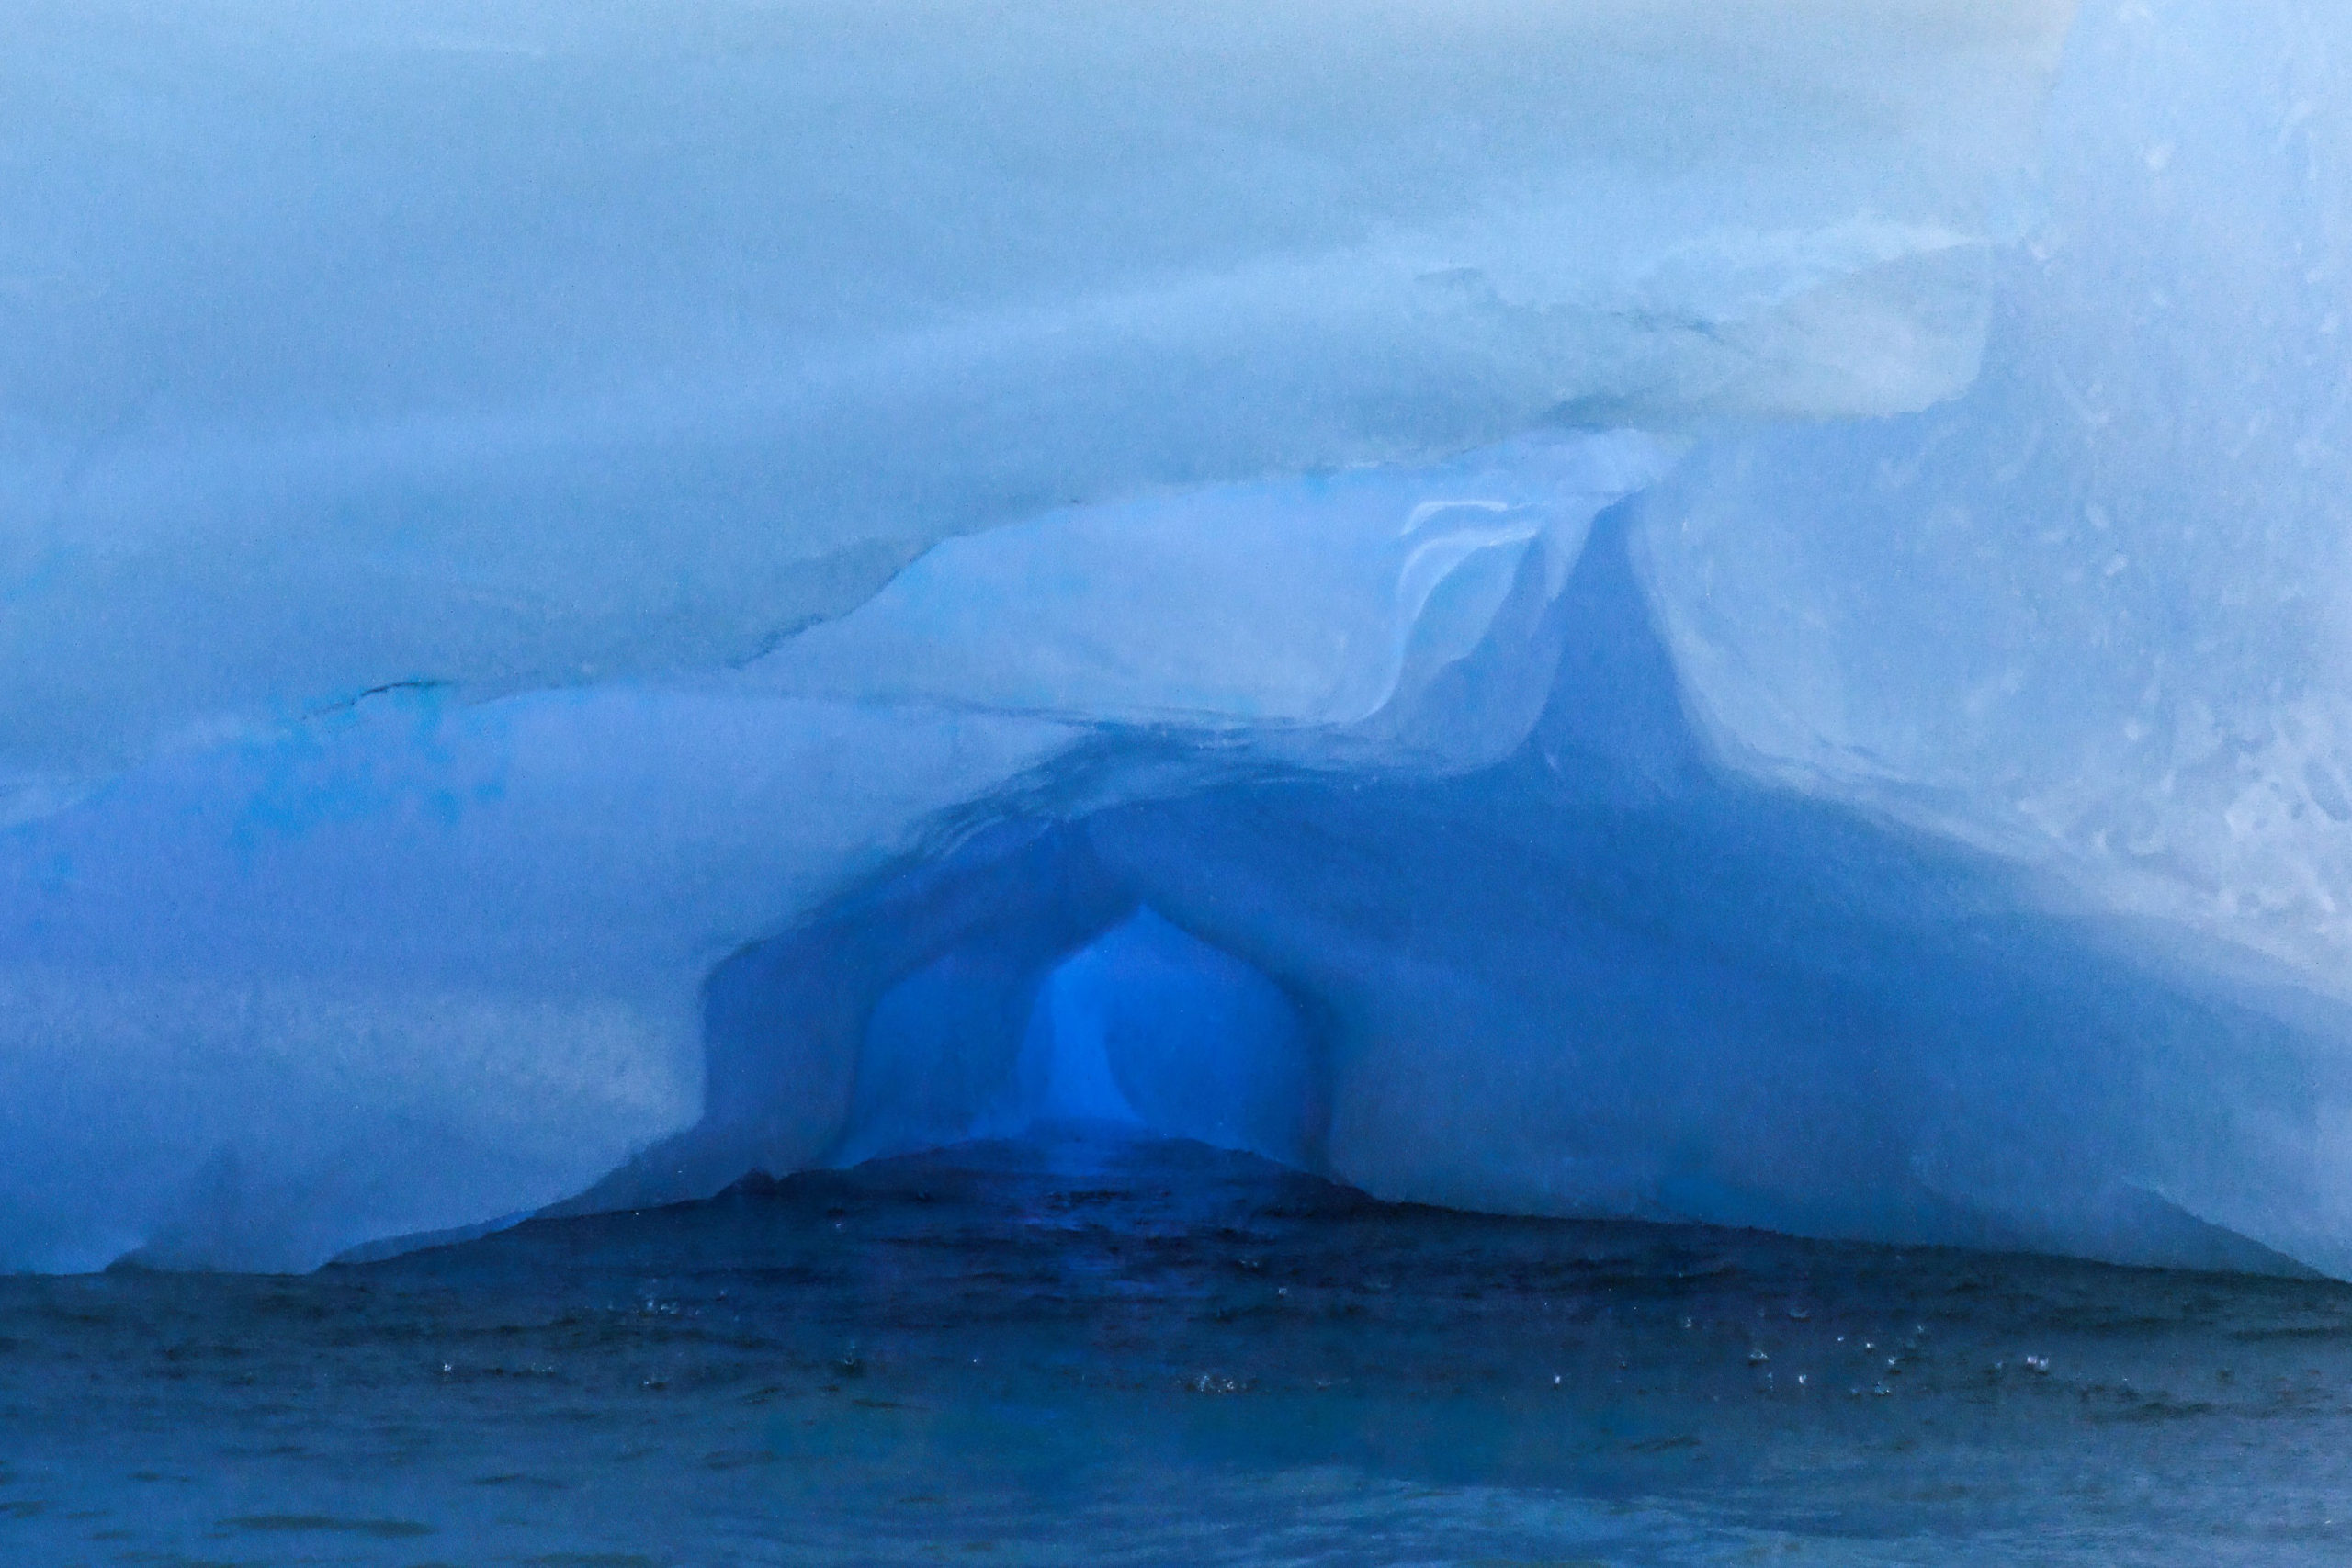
(1142, 1028)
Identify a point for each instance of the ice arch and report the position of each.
(1599, 973)
(1763, 642)
(1599, 976)
(1023, 984)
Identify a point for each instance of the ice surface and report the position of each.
(2098, 609)
(1711, 612)
(521, 343)
(422, 969)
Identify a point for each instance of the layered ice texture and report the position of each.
(1716, 611)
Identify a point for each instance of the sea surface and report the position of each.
(1091, 1348)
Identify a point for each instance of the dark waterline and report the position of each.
(1091, 1348)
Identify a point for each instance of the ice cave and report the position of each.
(1722, 613)
(1726, 622)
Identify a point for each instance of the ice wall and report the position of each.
(2095, 610)
(521, 344)
(1727, 612)
(418, 969)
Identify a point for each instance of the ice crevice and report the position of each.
(1732, 613)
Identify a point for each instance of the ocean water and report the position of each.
(1088, 1348)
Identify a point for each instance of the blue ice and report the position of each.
(1697, 613)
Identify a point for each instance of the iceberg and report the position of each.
(1695, 611)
